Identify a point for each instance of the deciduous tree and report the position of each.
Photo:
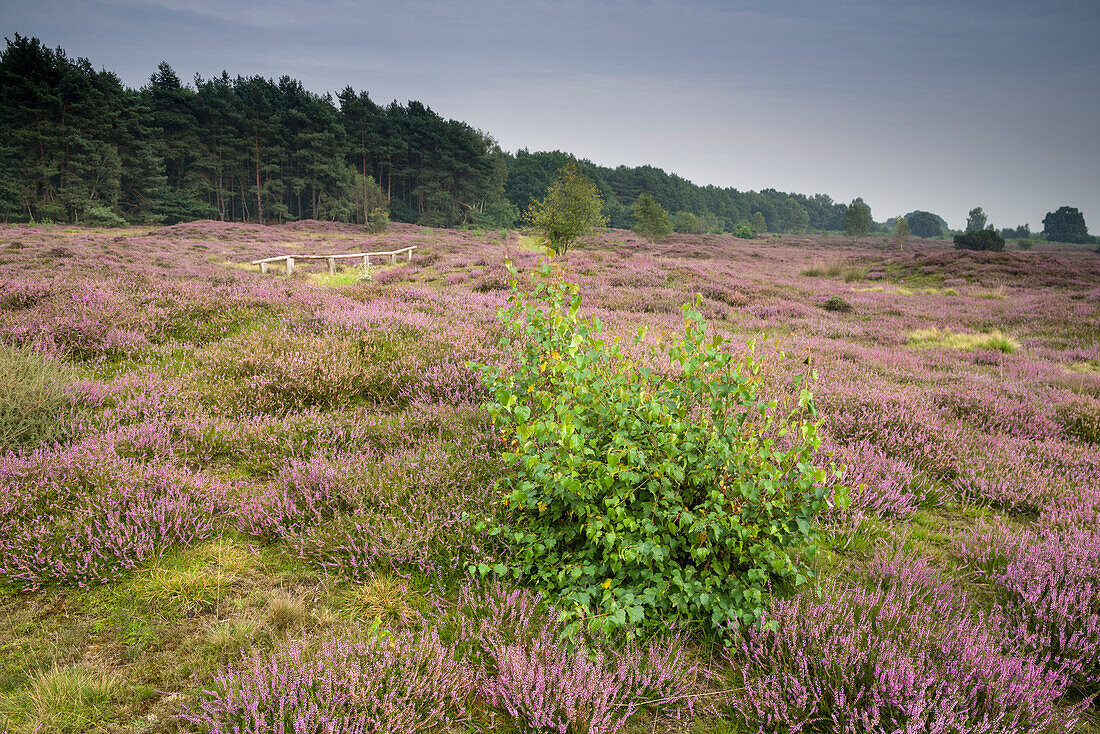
(1066, 224)
(570, 210)
(857, 218)
(975, 220)
(651, 219)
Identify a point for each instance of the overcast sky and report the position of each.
(932, 104)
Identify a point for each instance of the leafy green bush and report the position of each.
(101, 216)
(33, 403)
(1024, 244)
(837, 304)
(642, 496)
(744, 231)
(982, 239)
(378, 220)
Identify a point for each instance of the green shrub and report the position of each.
(101, 216)
(1024, 244)
(744, 231)
(837, 305)
(982, 239)
(33, 403)
(645, 497)
(378, 220)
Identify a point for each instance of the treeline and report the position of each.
(713, 209)
(81, 147)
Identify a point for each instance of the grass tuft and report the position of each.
(946, 339)
(384, 598)
(33, 401)
(61, 700)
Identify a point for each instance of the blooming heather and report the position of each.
(383, 685)
(902, 654)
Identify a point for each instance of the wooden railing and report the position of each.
(392, 254)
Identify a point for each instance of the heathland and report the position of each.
(234, 499)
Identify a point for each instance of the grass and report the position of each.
(343, 277)
(530, 243)
(836, 267)
(1088, 367)
(385, 598)
(946, 339)
(61, 700)
(34, 405)
(904, 291)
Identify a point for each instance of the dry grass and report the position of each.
(384, 598)
(60, 700)
(285, 611)
(946, 339)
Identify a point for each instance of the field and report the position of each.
(230, 497)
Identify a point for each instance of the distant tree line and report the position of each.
(78, 146)
(81, 147)
(696, 209)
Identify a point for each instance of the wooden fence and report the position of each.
(366, 256)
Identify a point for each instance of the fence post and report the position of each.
(290, 266)
(332, 266)
(263, 268)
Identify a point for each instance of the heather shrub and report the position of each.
(303, 494)
(880, 485)
(531, 667)
(409, 513)
(82, 518)
(280, 373)
(902, 654)
(1046, 587)
(16, 295)
(1080, 419)
(642, 496)
(34, 404)
(403, 683)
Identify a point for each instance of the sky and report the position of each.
(938, 105)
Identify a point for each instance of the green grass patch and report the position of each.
(34, 408)
(532, 244)
(1088, 367)
(185, 582)
(61, 700)
(946, 339)
(345, 277)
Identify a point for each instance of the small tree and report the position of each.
(975, 220)
(925, 224)
(570, 210)
(1067, 224)
(758, 223)
(901, 232)
(687, 223)
(857, 218)
(652, 221)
